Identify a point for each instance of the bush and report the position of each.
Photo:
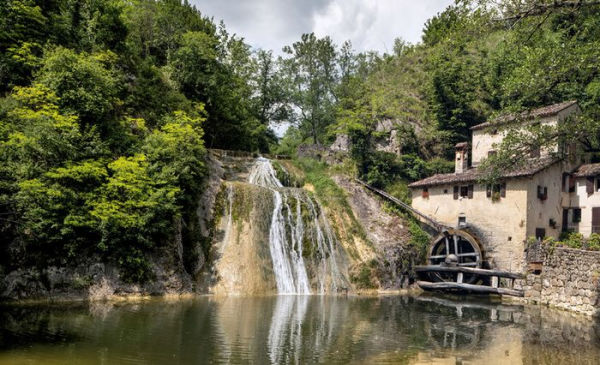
(419, 238)
(382, 168)
(575, 240)
(593, 243)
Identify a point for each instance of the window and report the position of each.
(589, 185)
(540, 233)
(568, 183)
(464, 191)
(425, 193)
(495, 191)
(491, 153)
(445, 191)
(597, 184)
(542, 192)
(596, 220)
(576, 215)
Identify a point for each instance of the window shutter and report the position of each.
(565, 219)
(595, 219)
(589, 185)
(503, 190)
(470, 192)
(571, 184)
(456, 193)
(545, 192)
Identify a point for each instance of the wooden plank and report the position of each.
(469, 287)
(467, 304)
(459, 277)
(468, 270)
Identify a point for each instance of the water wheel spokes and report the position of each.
(455, 248)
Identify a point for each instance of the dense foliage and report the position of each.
(106, 107)
(478, 59)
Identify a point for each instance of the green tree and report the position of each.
(312, 73)
(87, 84)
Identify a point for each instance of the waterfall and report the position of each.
(290, 230)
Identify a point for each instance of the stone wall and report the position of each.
(569, 280)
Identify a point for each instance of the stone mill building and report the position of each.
(556, 191)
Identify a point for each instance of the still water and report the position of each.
(296, 330)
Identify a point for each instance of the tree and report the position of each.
(86, 84)
(312, 74)
(22, 25)
(270, 99)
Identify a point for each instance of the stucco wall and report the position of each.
(581, 199)
(483, 140)
(500, 226)
(539, 212)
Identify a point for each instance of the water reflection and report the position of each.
(297, 330)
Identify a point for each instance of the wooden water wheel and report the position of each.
(455, 248)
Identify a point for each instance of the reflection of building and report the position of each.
(551, 193)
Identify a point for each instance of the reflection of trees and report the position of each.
(294, 329)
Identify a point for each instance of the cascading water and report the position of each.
(291, 230)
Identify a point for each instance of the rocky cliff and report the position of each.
(349, 245)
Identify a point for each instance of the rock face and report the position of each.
(327, 249)
(569, 279)
(273, 239)
(386, 231)
(94, 281)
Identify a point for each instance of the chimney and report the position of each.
(462, 158)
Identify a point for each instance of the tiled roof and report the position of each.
(534, 166)
(592, 169)
(535, 113)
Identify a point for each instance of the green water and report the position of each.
(296, 330)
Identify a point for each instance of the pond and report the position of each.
(296, 330)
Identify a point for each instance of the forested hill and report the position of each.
(107, 108)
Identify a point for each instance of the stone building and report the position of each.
(554, 192)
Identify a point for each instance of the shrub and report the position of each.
(575, 240)
(593, 243)
(419, 238)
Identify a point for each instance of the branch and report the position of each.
(541, 8)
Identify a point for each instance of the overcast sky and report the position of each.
(369, 24)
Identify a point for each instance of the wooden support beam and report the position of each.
(428, 220)
(459, 277)
(468, 270)
(495, 281)
(483, 289)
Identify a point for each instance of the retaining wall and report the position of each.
(569, 279)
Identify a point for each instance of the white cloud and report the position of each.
(374, 24)
(369, 24)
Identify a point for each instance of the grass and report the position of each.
(330, 195)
